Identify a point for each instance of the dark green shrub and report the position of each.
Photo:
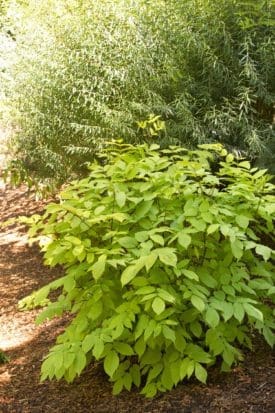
(95, 69)
(167, 265)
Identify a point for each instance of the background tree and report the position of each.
(86, 72)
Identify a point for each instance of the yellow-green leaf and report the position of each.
(184, 239)
(99, 267)
(264, 251)
(212, 317)
(130, 272)
(120, 199)
(253, 311)
(200, 373)
(111, 363)
(157, 238)
(158, 305)
(198, 303)
(167, 256)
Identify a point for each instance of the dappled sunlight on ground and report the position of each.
(5, 377)
(2, 184)
(13, 237)
(16, 330)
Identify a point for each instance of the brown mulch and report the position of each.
(248, 388)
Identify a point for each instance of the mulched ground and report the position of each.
(248, 388)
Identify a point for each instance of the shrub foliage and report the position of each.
(167, 265)
(89, 71)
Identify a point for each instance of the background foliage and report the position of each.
(168, 266)
(89, 71)
(3, 357)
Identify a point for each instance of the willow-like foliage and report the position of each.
(85, 72)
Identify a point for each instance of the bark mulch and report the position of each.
(250, 387)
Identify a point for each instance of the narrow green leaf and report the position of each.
(198, 224)
(154, 372)
(166, 296)
(158, 239)
(204, 206)
(69, 284)
(184, 367)
(130, 272)
(149, 330)
(253, 311)
(260, 173)
(238, 311)
(207, 217)
(229, 158)
(212, 228)
(190, 368)
(128, 242)
(118, 386)
(175, 371)
(135, 373)
(151, 356)
(195, 328)
(80, 361)
(212, 317)
(73, 240)
(228, 289)
(145, 290)
(120, 199)
(200, 373)
(237, 248)
(169, 333)
(244, 164)
(158, 305)
(99, 267)
(111, 363)
(150, 260)
(140, 347)
(228, 356)
(98, 349)
(271, 291)
(269, 336)
(150, 390)
(225, 229)
(190, 274)
(207, 279)
(88, 343)
(242, 221)
(166, 378)
(141, 236)
(184, 239)
(189, 208)
(78, 250)
(47, 368)
(123, 348)
(264, 251)
(95, 310)
(90, 257)
(143, 208)
(227, 309)
(196, 353)
(198, 303)
(68, 359)
(167, 256)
